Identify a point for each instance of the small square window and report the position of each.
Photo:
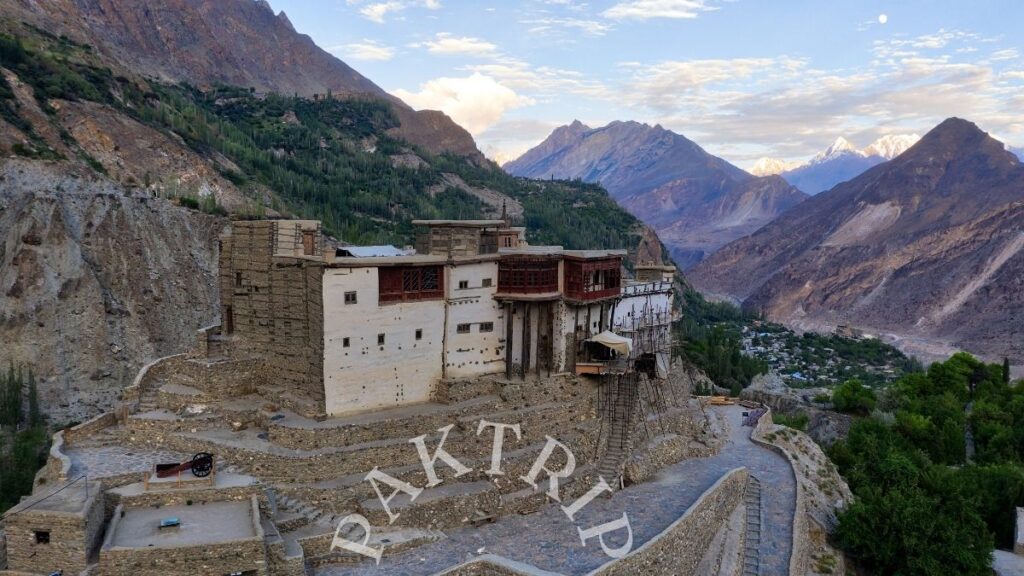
(42, 536)
(463, 328)
(486, 283)
(419, 333)
(380, 339)
(350, 297)
(463, 284)
(345, 342)
(487, 326)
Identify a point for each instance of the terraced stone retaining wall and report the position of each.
(680, 547)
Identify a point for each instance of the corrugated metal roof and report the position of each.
(370, 251)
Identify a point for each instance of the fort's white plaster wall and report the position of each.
(366, 375)
(636, 297)
(475, 352)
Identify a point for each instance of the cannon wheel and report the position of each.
(202, 464)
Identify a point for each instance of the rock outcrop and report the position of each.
(94, 280)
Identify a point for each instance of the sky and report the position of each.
(742, 78)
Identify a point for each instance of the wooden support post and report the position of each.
(508, 339)
(526, 339)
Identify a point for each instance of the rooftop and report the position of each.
(70, 498)
(209, 523)
(412, 260)
(370, 251)
(460, 223)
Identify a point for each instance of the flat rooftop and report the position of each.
(71, 499)
(460, 223)
(210, 523)
(414, 260)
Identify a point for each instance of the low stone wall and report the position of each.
(89, 427)
(3, 551)
(656, 454)
(211, 559)
(58, 465)
(680, 547)
(800, 556)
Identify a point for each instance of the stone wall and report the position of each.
(272, 308)
(89, 427)
(3, 551)
(58, 465)
(73, 535)
(211, 559)
(680, 547)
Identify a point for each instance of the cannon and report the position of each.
(201, 465)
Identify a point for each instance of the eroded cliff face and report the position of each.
(95, 280)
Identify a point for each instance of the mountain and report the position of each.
(891, 145)
(1019, 152)
(772, 166)
(696, 202)
(928, 247)
(234, 42)
(842, 161)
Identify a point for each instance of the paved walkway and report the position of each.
(106, 461)
(548, 540)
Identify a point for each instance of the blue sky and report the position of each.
(742, 78)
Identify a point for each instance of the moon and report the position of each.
(883, 18)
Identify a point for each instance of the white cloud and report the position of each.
(378, 11)
(648, 9)
(364, 50)
(589, 27)
(476, 102)
(448, 45)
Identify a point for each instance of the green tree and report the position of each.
(853, 397)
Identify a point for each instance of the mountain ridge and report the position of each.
(233, 42)
(696, 201)
(907, 248)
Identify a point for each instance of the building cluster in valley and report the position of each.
(325, 362)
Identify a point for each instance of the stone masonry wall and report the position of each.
(72, 537)
(275, 308)
(680, 547)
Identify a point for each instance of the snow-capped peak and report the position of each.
(769, 166)
(891, 145)
(839, 147)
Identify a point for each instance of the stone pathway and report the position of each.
(549, 541)
(107, 461)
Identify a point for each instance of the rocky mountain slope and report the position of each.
(838, 163)
(234, 42)
(697, 202)
(96, 278)
(927, 246)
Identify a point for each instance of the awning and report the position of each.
(611, 340)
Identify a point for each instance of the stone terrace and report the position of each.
(549, 541)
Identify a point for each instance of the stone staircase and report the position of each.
(751, 549)
(619, 408)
